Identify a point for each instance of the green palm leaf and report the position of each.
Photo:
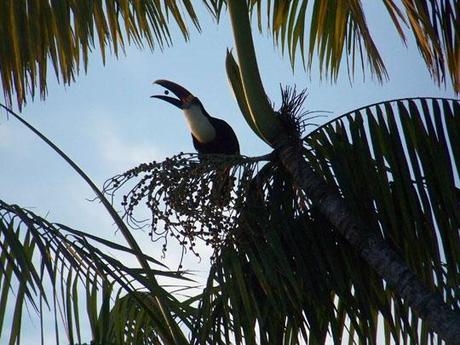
(61, 34)
(61, 267)
(66, 31)
(396, 165)
(335, 31)
(398, 161)
(289, 277)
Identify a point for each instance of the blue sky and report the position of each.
(107, 123)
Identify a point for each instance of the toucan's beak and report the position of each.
(185, 97)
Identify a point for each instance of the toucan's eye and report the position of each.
(166, 92)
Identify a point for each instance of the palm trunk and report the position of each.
(426, 304)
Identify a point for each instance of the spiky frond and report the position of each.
(396, 164)
(335, 32)
(37, 36)
(294, 279)
(54, 269)
(63, 33)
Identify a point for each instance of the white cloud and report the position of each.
(120, 153)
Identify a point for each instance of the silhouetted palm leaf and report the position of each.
(396, 163)
(333, 30)
(54, 269)
(61, 34)
(290, 275)
(100, 268)
(65, 32)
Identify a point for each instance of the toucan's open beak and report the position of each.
(185, 97)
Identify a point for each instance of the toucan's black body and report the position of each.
(210, 135)
(225, 141)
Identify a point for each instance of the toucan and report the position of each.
(210, 135)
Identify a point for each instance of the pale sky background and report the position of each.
(107, 123)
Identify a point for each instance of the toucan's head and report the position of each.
(184, 97)
(198, 120)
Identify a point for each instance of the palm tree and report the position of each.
(369, 243)
(242, 293)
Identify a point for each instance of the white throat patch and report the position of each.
(199, 124)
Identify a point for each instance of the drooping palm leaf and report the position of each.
(63, 33)
(170, 329)
(38, 35)
(162, 315)
(288, 278)
(324, 28)
(400, 160)
(396, 164)
(55, 269)
(337, 30)
(290, 275)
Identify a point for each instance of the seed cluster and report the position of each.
(184, 197)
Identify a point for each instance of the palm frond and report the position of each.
(328, 30)
(171, 330)
(336, 31)
(55, 268)
(63, 33)
(396, 163)
(36, 36)
(434, 25)
(289, 277)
